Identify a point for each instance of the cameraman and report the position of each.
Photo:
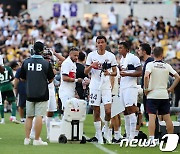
(38, 73)
(99, 63)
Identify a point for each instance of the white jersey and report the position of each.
(67, 68)
(96, 74)
(1, 60)
(129, 64)
(158, 79)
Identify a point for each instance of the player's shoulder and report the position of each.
(109, 54)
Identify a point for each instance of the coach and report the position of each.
(38, 73)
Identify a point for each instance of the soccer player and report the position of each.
(68, 77)
(6, 89)
(155, 87)
(130, 69)
(99, 63)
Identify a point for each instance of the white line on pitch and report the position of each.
(102, 147)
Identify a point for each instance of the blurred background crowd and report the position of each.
(18, 33)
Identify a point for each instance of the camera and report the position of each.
(47, 53)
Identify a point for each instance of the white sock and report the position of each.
(151, 137)
(110, 133)
(97, 126)
(96, 135)
(127, 125)
(120, 132)
(48, 120)
(136, 132)
(133, 122)
(103, 129)
(32, 134)
(116, 135)
(2, 120)
(106, 123)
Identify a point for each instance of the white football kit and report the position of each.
(52, 98)
(100, 85)
(128, 85)
(67, 89)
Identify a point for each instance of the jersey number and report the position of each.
(93, 96)
(4, 76)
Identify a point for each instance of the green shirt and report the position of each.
(5, 79)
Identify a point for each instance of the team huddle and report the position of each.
(112, 89)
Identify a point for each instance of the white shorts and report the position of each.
(97, 95)
(52, 104)
(128, 96)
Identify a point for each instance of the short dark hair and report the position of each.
(146, 47)
(158, 51)
(13, 64)
(101, 37)
(81, 56)
(38, 47)
(125, 44)
(73, 49)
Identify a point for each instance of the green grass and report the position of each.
(12, 137)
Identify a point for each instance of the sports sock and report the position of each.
(2, 110)
(110, 134)
(48, 120)
(117, 135)
(97, 126)
(106, 124)
(14, 107)
(127, 125)
(133, 122)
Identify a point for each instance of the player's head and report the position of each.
(123, 48)
(101, 43)
(38, 47)
(158, 52)
(81, 57)
(74, 54)
(144, 49)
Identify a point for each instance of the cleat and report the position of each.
(27, 141)
(93, 139)
(39, 142)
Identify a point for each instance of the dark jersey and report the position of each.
(37, 71)
(5, 79)
(144, 68)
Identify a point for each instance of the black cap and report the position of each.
(38, 47)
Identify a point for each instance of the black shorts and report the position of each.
(158, 106)
(22, 101)
(8, 95)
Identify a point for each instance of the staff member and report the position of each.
(38, 73)
(155, 87)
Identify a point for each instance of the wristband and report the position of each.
(76, 80)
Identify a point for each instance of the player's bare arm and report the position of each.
(146, 82)
(176, 81)
(137, 73)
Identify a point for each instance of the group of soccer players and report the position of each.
(113, 88)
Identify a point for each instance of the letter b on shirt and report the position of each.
(34, 67)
